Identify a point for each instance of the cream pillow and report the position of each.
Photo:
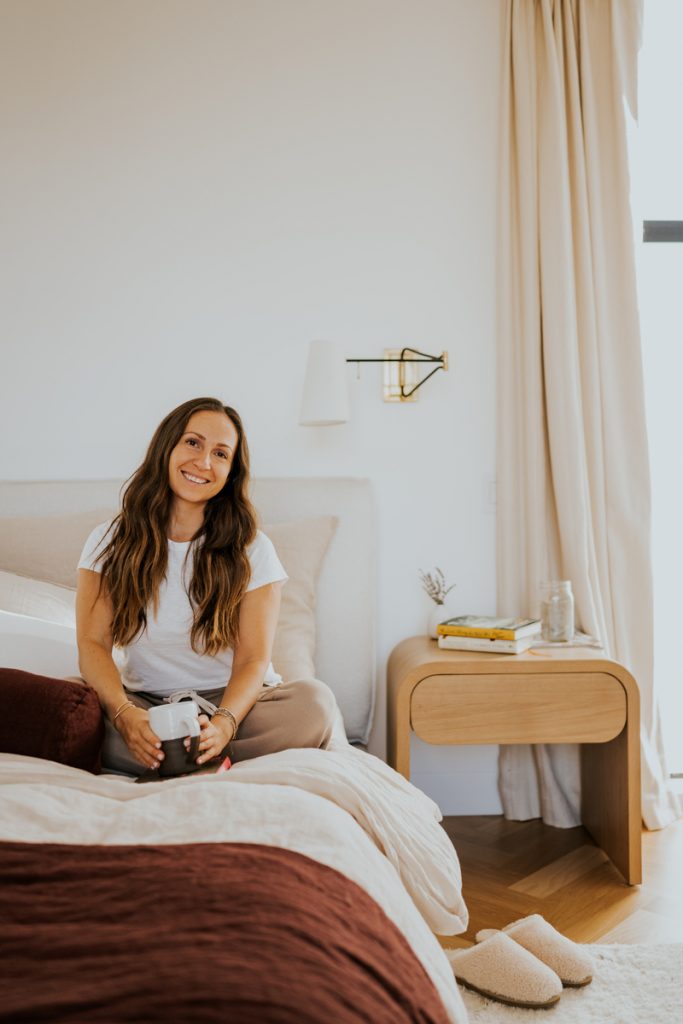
(301, 547)
(47, 548)
(38, 599)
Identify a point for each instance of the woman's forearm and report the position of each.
(99, 671)
(244, 688)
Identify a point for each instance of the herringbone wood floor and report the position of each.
(511, 869)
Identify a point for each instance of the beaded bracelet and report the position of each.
(227, 714)
(123, 707)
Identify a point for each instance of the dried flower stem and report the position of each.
(435, 585)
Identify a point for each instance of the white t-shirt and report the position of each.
(161, 659)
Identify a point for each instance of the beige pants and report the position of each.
(296, 714)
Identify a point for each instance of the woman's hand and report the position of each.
(215, 735)
(144, 745)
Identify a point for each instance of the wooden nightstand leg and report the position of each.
(398, 733)
(610, 801)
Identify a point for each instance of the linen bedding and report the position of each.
(390, 879)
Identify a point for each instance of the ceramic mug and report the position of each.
(173, 723)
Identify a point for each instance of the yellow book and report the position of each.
(489, 627)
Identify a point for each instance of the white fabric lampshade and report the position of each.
(326, 393)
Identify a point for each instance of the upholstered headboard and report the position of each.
(345, 613)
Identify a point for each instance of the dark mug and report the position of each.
(177, 758)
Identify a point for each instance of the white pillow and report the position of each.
(34, 645)
(40, 600)
(49, 605)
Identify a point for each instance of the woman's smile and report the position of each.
(193, 479)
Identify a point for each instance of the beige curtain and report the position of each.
(573, 476)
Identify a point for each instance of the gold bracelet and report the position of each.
(123, 707)
(227, 714)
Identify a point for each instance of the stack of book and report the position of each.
(484, 633)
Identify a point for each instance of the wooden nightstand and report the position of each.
(570, 695)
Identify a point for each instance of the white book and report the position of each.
(475, 643)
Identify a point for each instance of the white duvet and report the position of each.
(302, 800)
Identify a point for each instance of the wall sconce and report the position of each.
(326, 399)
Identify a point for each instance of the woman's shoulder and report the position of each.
(94, 545)
(99, 532)
(261, 549)
(102, 528)
(266, 567)
(261, 542)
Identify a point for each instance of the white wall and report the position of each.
(193, 190)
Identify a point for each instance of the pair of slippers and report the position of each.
(525, 964)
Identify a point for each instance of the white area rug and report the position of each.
(631, 985)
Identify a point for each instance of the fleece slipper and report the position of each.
(568, 959)
(503, 970)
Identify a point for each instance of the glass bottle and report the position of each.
(557, 611)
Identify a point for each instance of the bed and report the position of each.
(302, 886)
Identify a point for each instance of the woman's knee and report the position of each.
(316, 710)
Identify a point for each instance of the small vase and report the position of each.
(439, 613)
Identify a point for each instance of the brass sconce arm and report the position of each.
(423, 357)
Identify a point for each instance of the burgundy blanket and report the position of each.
(203, 933)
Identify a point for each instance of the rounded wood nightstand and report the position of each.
(570, 695)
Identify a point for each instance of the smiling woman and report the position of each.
(183, 582)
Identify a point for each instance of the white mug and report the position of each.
(175, 721)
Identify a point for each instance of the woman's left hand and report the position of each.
(215, 735)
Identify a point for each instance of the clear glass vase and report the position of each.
(557, 611)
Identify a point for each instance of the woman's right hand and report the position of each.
(144, 745)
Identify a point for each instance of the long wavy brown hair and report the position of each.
(135, 559)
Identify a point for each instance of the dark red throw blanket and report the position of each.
(225, 933)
